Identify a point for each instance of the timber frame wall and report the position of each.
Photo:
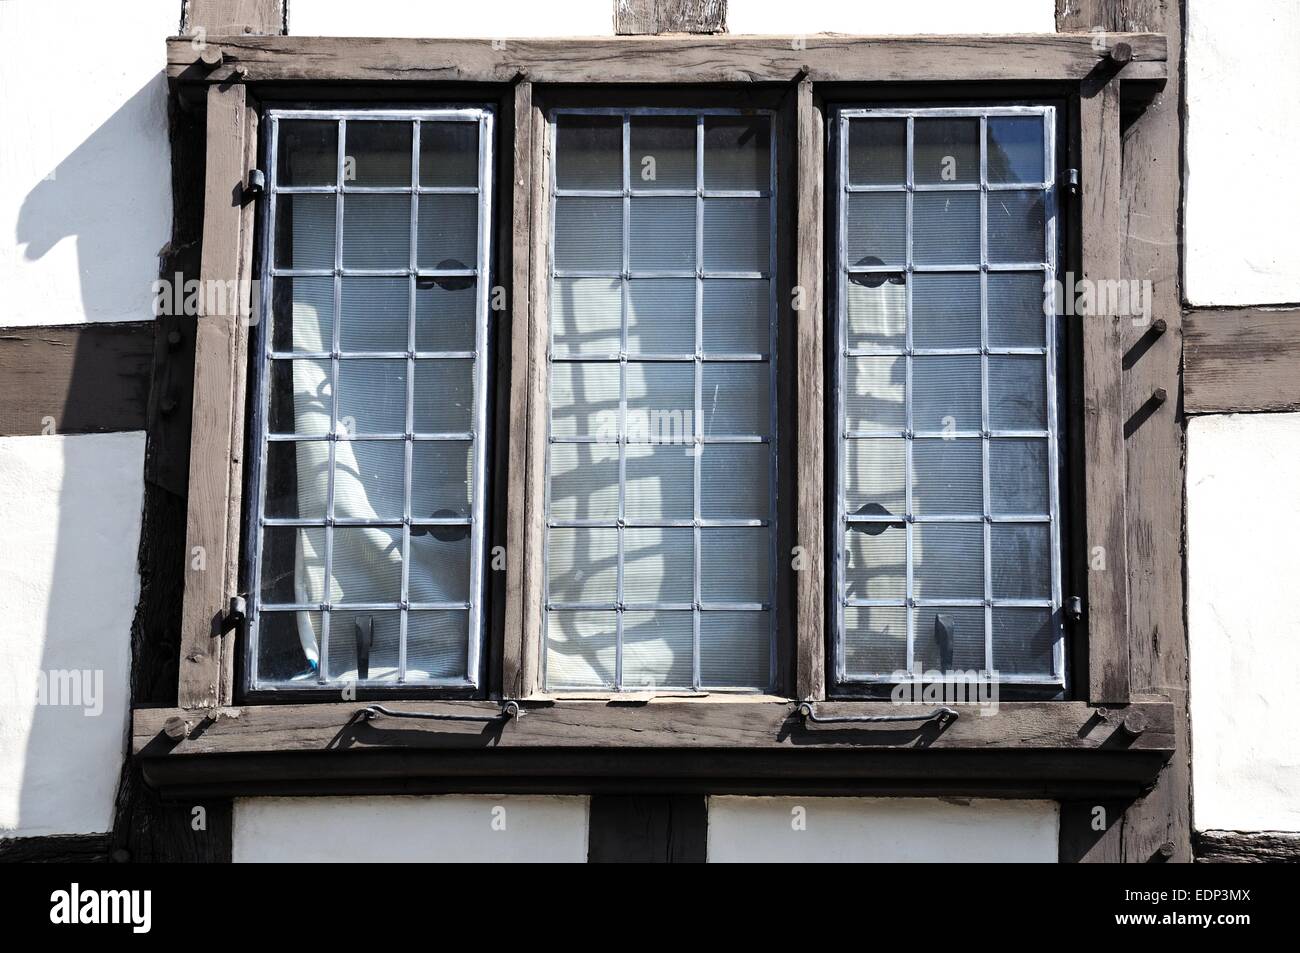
(1136, 630)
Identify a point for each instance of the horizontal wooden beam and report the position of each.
(80, 378)
(1241, 360)
(1247, 847)
(669, 59)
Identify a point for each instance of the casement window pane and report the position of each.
(947, 540)
(1016, 149)
(368, 537)
(302, 314)
(946, 150)
(660, 505)
(308, 152)
(875, 310)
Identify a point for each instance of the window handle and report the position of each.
(942, 715)
(509, 710)
(365, 631)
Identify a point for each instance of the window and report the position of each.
(370, 401)
(948, 523)
(660, 503)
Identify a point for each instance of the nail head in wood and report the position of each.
(1133, 723)
(1159, 325)
(211, 57)
(1121, 53)
(176, 728)
(1160, 396)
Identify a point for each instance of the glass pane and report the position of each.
(585, 400)
(447, 238)
(436, 644)
(374, 313)
(661, 316)
(737, 153)
(873, 397)
(948, 560)
(589, 152)
(586, 315)
(1017, 392)
(372, 397)
(735, 649)
(442, 478)
(946, 228)
(580, 650)
(875, 640)
(302, 312)
(300, 397)
(947, 477)
(297, 479)
(658, 649)
(660, 402)
(873, 476)
(445, 314)
(439, 563)
(734, 481)
(877, 151)
(660, 483)
(589, 234)
(946, 151)
(369, 479)
(876, 228)
(1018, 475)
(1016, 227)
(304, 231)
(377, 153)
(663, 152)
(448, 154)
(1022, 563)
(307, 152)
(376, 231)
(736, 233)
(444, 396)
(946, 393)
(293, 565)
(367, 564)
(736, 315)
(1017, 309)
(734, 564)
(736, 399)
(1024, 641)
(661, 233)
(584, 481)
(949, 638)
(658, 565)
(349, 630)
(582, 564)
(1015, 149)
(287, 646)
(945, 310)
(875, 311)
(875, 561)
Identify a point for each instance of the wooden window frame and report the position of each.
(1103, 741)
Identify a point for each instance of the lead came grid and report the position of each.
(917, 537)
(390, 203)
(719, 621)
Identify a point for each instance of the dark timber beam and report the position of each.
(1241, 360)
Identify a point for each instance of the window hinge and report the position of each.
(1074, 608)
(235, 616)
(1072, 181)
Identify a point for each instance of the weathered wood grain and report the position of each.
(676, 59)
(217, 17)
(1239, 360)
(81, 378)
(641, 17)
(1242, 847)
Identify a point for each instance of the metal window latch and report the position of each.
(235, 616)
(942, 715)
(509, 710)
(1074, 609)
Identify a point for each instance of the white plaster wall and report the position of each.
(837, 830)
(454, 829)
(85, 166)
(70, 511)
(520, 18)
(1243, 126)
(1243, 527)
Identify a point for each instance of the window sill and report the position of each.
(1024, 749)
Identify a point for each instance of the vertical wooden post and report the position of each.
(810, 585)
(212, 530)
